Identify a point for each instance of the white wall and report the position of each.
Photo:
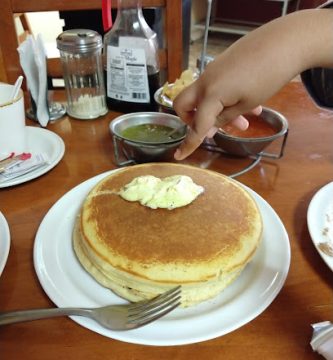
(46, 23)
(49, 25)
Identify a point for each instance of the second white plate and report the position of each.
(68, 284)
(4, 242)
(319, 209)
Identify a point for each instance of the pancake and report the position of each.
(139, 252)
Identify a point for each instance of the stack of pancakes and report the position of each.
(139, 252)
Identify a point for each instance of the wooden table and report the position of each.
(282, 331)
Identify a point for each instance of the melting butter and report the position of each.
(168, 193)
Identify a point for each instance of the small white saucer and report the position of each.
(4, 242)
(40, 141)
(320, 221)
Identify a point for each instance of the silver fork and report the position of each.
(113, 317)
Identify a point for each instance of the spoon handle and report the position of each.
(17, 88)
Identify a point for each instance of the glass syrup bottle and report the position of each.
(131, 63)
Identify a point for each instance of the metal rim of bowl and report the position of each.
(280, 133)
(149, 145)
(121, 118)
(157, 98)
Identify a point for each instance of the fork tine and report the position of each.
(160, 299)
(147, 311)
(156, 314)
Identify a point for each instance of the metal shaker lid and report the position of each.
(79, 41)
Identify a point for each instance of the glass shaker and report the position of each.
(131, 61)
(81, 58)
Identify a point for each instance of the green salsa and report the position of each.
(154, 133)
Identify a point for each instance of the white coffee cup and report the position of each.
(12, 122)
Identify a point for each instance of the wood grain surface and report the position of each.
(282, 331)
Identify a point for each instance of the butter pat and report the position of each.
(168, 193)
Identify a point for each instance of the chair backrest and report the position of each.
(170, 55)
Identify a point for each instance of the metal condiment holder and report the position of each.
(117, 152)
(208, 144)
(56, 110)
(211, 146)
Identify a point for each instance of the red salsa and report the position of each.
(258, 127)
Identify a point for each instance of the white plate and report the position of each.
(67, 284)
(4, 242)
(320, 205)
(40, 141)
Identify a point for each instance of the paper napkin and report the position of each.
(322, 339)
(23, 166)
(33, 62)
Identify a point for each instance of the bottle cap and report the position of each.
(79, 41)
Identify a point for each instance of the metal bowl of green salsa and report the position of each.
(146, 136)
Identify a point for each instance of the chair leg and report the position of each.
(297, 5)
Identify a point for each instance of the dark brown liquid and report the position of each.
(128, 107)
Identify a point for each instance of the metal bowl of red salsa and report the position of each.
(263, 129)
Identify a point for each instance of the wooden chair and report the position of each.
(23, 19)
(3, 75)
(170, 55)
(285, 4)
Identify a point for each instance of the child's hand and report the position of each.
(252, 70)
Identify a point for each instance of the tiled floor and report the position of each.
(216, 43)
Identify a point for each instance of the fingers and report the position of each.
(202, 125)
(257, 110)
(240, 122)
(212, 131)
(185, 103)
(205, 116)
(190, 143)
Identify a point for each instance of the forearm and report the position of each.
(269, 57)
(290, 44)
(306, 38)
(314, 33)
(253, 69)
